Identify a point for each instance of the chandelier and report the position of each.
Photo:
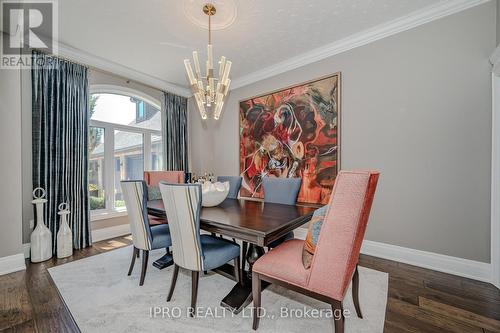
(209, 91)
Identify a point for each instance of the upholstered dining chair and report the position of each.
(334, 263)
(191, 250)
(144, 236)
(153, 178)
(234, 185)
(283, 191)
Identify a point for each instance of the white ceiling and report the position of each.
(154, 36)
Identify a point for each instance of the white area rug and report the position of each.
(102, 298)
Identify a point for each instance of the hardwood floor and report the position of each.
(29, 300)
(419, 300)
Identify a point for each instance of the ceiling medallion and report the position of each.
(226, 13)
(210, 92)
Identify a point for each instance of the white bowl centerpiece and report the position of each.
(213, 193)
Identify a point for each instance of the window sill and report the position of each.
(106, 215)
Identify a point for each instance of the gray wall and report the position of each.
(417, 107)
(10, 166)
(101, 77)
(498, 21)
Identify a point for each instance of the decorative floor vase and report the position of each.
(41, 237)
(64, 235)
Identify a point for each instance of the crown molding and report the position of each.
(378, 32)
(89, 59)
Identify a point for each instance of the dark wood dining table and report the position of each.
(256, 224)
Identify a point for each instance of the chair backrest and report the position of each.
(153, 178)
(234, 185)
(342, 232)
(281, 190)
(183, 205)
(135, 196)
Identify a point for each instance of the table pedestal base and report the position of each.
(241, 294)
(164, 262)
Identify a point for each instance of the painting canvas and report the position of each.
(293, 132)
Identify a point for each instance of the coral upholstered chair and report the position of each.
(153, 178)
(335, 260)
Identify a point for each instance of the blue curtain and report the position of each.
(60, 137)
(174, 130)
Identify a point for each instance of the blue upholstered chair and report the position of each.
(234, 185)
(282, 191)
(144, 236)
(191, 250)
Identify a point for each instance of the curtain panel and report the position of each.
(174, 130)
(60, 137)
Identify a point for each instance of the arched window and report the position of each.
(124, 140)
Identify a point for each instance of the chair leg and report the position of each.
(172, 285)
(138, 253)
(132, 263)
(195, 275)
(244, 249)
(145, 256)
(256, 289)
(338, 316)
(237, 269)
(355, 292)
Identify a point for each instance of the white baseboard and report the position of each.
(110, 232)
(27, 250)
(12, 263)
(97, 235)
(300, 233)
(457, 266)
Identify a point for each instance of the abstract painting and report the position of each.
(293, 132)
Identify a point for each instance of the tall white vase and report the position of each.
(41, 237)
(64, 235)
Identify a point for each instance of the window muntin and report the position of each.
(131, 145)
(129, 161)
